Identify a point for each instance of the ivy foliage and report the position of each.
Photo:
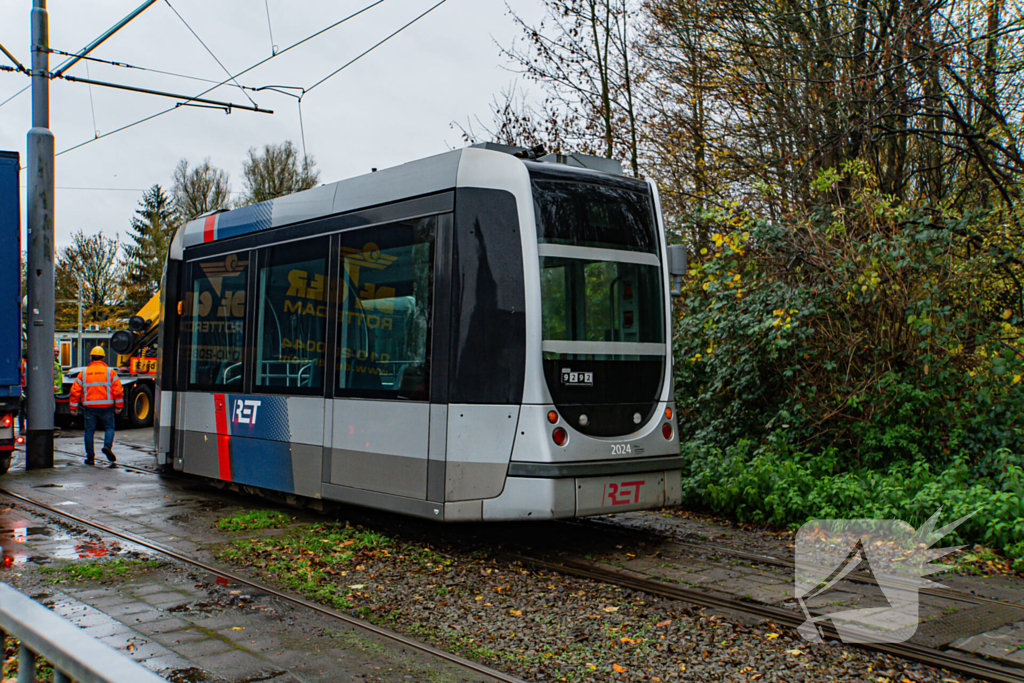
(861, 359)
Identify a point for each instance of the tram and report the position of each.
(478, 335)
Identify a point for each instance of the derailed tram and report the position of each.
(478, 335)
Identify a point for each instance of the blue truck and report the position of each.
(10, 304)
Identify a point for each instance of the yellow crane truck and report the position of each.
(136, 367)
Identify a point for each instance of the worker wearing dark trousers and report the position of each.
(98, 390)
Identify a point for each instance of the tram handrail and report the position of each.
(73, 654)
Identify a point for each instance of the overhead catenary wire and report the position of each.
(125, 65)
(92, 105)
(207, 48)
(270, 28)
(373, 47)
(240, 73)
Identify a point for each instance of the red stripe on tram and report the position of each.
(208, 228)
(223, 437)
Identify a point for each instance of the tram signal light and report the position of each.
(668, 413)
(552, 417)
(560, 436)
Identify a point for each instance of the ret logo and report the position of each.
(894, 552)
(245, 411)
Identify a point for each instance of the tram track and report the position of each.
(585, 569)
(941, 659)
(789, 565)
(269, 590)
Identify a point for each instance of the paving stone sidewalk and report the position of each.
(177, 621)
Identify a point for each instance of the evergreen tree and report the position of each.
(151, 232)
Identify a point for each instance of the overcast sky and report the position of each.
(394, 105)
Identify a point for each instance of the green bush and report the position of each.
(862, 362)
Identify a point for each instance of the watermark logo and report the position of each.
(894, 552)
(245, 411)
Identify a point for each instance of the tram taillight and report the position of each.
(666, 431)
(552, 417)
(668, 413)
(560, 436)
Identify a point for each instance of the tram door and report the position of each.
(379, 419)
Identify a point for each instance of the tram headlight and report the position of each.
(560, 436)
(584, 420)
(666, 431)
(637, 418)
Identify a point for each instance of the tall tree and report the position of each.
(151, 231)
(583, 55)
(93, 262)
(199, 190)
(929, 94)
(275, 171)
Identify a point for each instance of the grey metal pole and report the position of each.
(40, 322)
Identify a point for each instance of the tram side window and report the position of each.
(213, 322)
(385, 310)
(291, 326)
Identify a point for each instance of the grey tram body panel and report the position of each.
(480, 447)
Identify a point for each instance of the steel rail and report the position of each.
(294, 599)
(929, 656)
(856, 577)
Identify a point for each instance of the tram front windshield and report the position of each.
(602, 305)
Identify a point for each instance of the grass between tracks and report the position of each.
(100, 571)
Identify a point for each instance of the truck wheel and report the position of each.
(140, 408)
(5, 463)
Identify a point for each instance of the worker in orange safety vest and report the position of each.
(98, 390)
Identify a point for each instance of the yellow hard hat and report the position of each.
(97, 351)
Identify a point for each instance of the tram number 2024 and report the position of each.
(622, 449)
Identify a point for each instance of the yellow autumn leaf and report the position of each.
(1016, 379)
(1007, 313)
(610, 609)
(771, 636)
(627, 640)
(237, 628)
(794, 652)
(619, 669)
(517, 612)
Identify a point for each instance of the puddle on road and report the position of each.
(25, 540)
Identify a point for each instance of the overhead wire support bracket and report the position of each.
(96, 43)
(14, 59)
(189, 99)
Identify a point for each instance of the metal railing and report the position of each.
(74, 655)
